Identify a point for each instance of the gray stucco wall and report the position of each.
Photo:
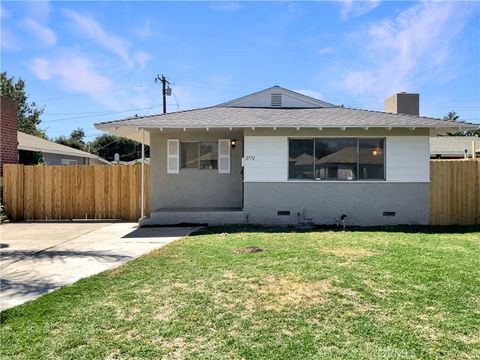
(192, 188)
(363, 203)
(56, 159)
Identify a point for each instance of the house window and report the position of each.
(69, 162)
(199, 155)
(346, 159)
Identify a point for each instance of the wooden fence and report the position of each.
(113, 192)
(454, 192)
(74, 192)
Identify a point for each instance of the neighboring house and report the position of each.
(57, 154)
(454, 147)
(280, 157)
(136, 161)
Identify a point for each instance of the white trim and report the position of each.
(173, 156)
(223, 156)
(308, 127)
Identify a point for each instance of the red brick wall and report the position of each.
(8, 132)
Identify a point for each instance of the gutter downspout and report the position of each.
(142, 196)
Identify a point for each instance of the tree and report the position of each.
(107, 145)
(453, 116)
(28, 114)
(76, 139)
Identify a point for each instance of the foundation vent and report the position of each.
(283, 213)
(276, 100)
(389, 213)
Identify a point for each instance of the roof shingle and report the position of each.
(224, 117)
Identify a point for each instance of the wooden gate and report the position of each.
(454, 192)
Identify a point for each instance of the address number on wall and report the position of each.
(250, 158)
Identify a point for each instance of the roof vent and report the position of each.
(276, 100)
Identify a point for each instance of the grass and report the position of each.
(380, 294)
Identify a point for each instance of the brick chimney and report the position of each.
(8, 132)
(403, 103)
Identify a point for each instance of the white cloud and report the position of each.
(324, 50)
(77, 74)
(90, 28)
(142, 57)
(311, 93)
(41, 32)
(41, 68)
(4, 13)
(227, 6)
(351, 8)
(145, 30)
(415, 46)
(9, 41)
(38, 10)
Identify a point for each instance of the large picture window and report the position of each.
(345, 159)
(199, 155)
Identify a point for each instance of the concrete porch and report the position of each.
(210, 216)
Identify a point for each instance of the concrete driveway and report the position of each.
(37, 258)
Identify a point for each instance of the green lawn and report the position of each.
(380, 294)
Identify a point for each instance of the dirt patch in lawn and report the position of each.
(270, 293)
(248, 250)
(164, 313)
(285, 292)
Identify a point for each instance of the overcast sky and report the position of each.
(96, 61)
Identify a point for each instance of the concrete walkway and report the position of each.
(37, 258)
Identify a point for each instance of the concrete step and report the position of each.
(211, 218)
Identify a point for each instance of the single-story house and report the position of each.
(454, 147)
(57, 154)
(280, 157)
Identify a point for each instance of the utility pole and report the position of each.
(166, 90)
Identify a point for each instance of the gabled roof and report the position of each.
(34, 143)
(453, 145)
(249, 100)
(248, 112)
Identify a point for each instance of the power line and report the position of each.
(92, 92)
(176, 100)
(78, 113)
(109, 113)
